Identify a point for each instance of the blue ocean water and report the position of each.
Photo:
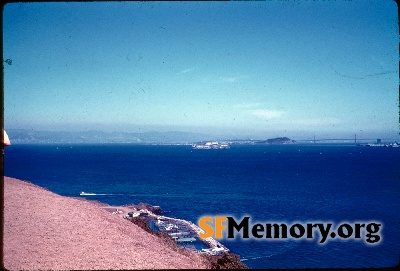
(275, 183)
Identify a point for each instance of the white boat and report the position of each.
(87, 194)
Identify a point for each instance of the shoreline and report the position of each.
(214, 247)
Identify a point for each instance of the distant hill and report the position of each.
(20, 136)
(278, 140)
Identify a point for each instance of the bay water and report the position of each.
(270, 183)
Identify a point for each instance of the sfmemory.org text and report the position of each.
(226, 226)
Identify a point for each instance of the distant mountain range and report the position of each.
(20, 136)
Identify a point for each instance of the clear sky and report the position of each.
(251, 69)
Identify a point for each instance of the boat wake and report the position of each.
(255, 258)
(94, 194)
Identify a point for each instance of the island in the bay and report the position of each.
(277, 140)
(210, 145)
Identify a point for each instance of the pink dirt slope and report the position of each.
(46, 231)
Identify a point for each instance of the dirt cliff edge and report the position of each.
(46, 231)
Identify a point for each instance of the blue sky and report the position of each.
(244, 69)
